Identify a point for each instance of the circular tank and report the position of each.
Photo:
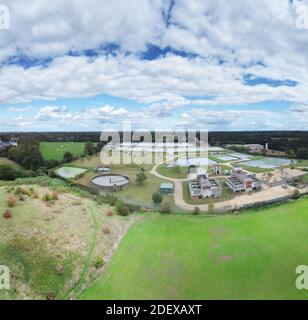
(111, 182)
(103, 170)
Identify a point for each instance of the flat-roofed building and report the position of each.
(240, 182)
(201, 186)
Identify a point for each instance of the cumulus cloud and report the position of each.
(210, 47)
(53, 113)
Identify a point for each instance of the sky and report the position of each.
(93, 65)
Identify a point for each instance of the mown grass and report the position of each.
(249, 256)
(56, 150)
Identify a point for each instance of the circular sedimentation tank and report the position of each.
(103, 170)
(111, 182)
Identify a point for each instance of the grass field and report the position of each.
(249, 256)
(173, 172)
(41, 238)
(56, 150)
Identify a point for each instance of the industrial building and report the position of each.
(240, 182)
(201, 186)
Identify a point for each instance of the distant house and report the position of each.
(166, 188)
(6, 144)
(201, 186)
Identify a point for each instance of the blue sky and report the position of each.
(160, 64)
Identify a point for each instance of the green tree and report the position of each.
(7, 172)
(89, 148)
(157, 198)
(68, 157)
(141, 178)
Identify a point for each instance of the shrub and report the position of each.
(157, 198)
(59, 270)
(296, 194)
(7, 214)
(35, 195)
(47, 197)
(11, 201)
(21, 197)
(55, 195)
(196, 211)
(99, 262)
(7, 172)
(122, 208)
(109, 213)
(106, 230)
(165, 208)
(211, 206)
(141, 178)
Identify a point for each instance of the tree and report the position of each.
(157, 198)
(7, 172)
(89, 148)
(141, 178)
(68, 157)
(27, 154)
(196, 211)
(302, 153)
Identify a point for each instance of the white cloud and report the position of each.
(224, 41)
(53, 113)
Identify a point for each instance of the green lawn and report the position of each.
(56, 150)
(249, 256)
(173, 172)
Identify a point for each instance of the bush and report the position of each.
(35, 195)
(21, 197)
(99, 262)
(211, 206)
(11, 201)
(7, 214)
(141, 178)
(106, 230)
(47, 197)
(7, 172)
(55, 195)
(157, 198)
(296, 194)
(109, 213)
(122, 208)
(165, 208)
(196, 211)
